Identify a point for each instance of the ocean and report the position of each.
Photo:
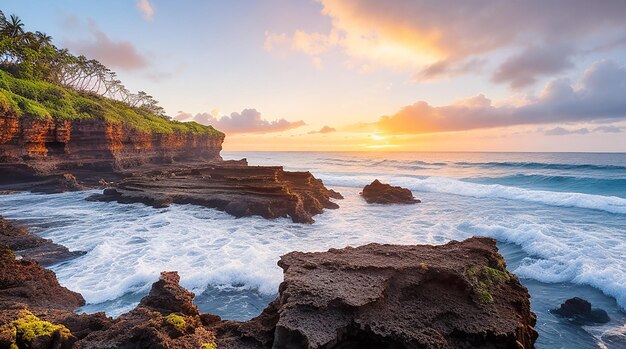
(559, 219)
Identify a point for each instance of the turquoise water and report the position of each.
(560, 220)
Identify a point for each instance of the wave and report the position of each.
(543, 165)
(555, 260)
(445, 185)
(588, 185)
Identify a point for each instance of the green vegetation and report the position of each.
(177, 321)
(29, 327)
(39, 80)
(208, 346)
(484, 279)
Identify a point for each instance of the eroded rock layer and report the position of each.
(47, 145)
(233, 187)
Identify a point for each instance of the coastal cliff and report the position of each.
(46, 145)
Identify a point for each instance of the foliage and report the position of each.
(209, 346)
(29, 327)
(484, 279)
(32, 56)
(177, 321)
(40, 99)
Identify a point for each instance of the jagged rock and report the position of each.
(165, 318)
(167, 296)
(30, 246)
(457, 295)
(25, 283)
(387, 296)
(237, 189)
(380, 193)
(579, 311)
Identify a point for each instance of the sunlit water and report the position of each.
(560, 220)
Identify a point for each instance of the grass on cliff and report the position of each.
(42, 100)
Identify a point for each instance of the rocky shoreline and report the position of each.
(457, 295)
(48, 156)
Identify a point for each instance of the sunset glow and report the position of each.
(280, 72)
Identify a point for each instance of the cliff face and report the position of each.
(47, 144)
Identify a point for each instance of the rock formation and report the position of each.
(51, 156)
(458, 295)
(46, 146)
(379, 193)
(30, 246)
(579, 311)
(236, 188)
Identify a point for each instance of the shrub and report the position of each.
(177, 321)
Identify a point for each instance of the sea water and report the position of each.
(559, 218)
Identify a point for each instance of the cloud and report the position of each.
(560, 131)
(597, 96)
(446, 68)
(433, 39)
(248, 121)
(524, 68)
(325, 129)
(274, 39)
(114, 54)
(146, 9)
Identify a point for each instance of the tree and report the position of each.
(33, 56)
(14, 27)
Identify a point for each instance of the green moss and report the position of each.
(208, 346)
(484, 279)
(41, 99)
(29, 327)
(177, 321)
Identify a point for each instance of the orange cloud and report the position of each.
(596, 97)
(113, 54)
(146, 9)
(447, 37)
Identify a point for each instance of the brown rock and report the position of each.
(237, 189)
(26, 283)
(165, 318)
(30, 246)
(167, 296)
(388, 296)
(379, 193)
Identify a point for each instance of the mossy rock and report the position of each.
(29, 331)
(484, 280)
(176, 321)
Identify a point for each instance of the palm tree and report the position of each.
(43, 39)
(3, 20)
(14, 27)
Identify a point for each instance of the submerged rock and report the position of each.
(380, 193)
(579, 311)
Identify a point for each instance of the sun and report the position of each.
(378, 137)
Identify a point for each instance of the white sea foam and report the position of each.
(610, 204)
(129, 245)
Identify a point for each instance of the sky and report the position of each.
(365, 75)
